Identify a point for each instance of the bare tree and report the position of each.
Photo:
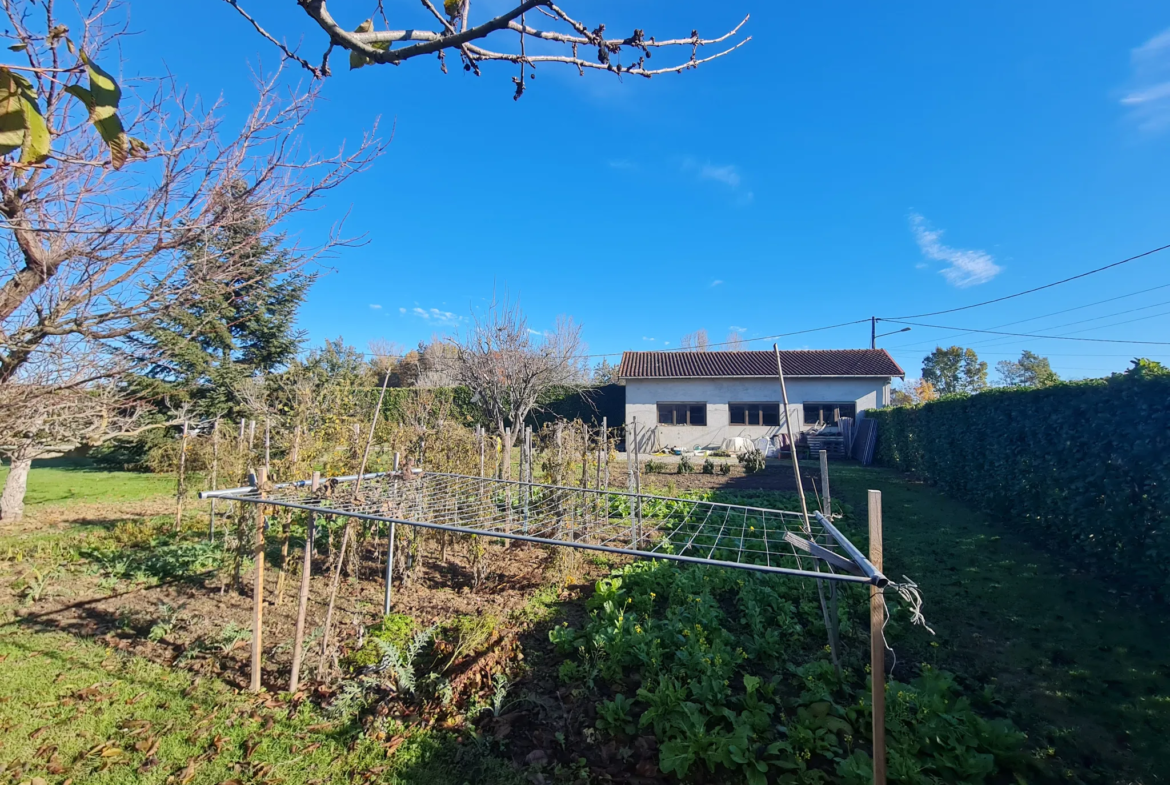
(92, 250)
(695, 342)
(507, 367)
(92, 245)
(561, 39)
(41, 420)
(734, 342)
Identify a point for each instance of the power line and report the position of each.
(1035, 289)
(1028, 335)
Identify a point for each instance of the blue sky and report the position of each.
(853, 159)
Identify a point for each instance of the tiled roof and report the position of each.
(816, 362)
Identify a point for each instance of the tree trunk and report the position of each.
(12, 501)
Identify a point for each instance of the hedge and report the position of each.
(1084, 465)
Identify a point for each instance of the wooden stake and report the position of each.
(214, 476)
(181, 480)
(390, 554)
(303, 605)
(258, 588)
(877, 642)
(827, 504)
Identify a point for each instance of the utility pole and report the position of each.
(873, 332)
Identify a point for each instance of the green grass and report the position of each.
(58, 482)
(1079, 666)
(72, 709)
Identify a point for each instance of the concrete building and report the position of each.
(696, 400)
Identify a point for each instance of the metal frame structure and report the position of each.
(631, 524)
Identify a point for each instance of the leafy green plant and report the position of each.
(654, 467)
(736, 682)
(616, 717)
(684, 465)
(708, 466)
(753, 461)
(168, 620)
(231, 636)
(725, 468)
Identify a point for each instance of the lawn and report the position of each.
(74, 709)
(68, 481)
(1077, 664)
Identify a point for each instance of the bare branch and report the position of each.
(370, 46)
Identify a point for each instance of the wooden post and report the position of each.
(390, 554)
(877, 642)
(181, 480)
(479, 435)
(214, 477)
(258, 588)
(303, 606)
(827, 504)
(251, 434)
(240, 439)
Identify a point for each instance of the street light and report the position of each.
(873, 339)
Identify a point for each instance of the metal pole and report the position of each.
(877, 642)
(479, 434)
(390, 557)
(827, 503)
(873, 332)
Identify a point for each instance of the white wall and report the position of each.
(643, 396)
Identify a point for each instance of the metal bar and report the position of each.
(821, 553)
(548, 541)
(871, 571)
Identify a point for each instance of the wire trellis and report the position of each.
(640, 525)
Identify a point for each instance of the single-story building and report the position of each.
(696, 400)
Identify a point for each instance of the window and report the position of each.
(754, 413)
(828, 413)
(682, 414)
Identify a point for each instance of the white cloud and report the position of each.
(534, 332)
(433, 315)
(716, 282)
(375, 306)
(966, 267)
(666, 343)
(644, 338)
(733, 328)
(1148, 96)
(728, 175)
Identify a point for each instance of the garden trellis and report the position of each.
(639, 525)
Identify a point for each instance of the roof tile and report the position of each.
(815, 362)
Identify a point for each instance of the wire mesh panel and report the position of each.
(635, 524)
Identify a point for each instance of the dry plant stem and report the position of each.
(258, 589)
(303, 603)
(345, 537)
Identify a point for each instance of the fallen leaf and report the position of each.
(111, 752)
(135, 699)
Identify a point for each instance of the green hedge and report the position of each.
(1085, 465)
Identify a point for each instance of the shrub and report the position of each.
(1087, 464)
(685, 466)
(654, 467)
(725, 468)
(708, 466)
(753, 461)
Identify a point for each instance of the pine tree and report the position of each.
(236, 330)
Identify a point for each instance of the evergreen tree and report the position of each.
(236, 330)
